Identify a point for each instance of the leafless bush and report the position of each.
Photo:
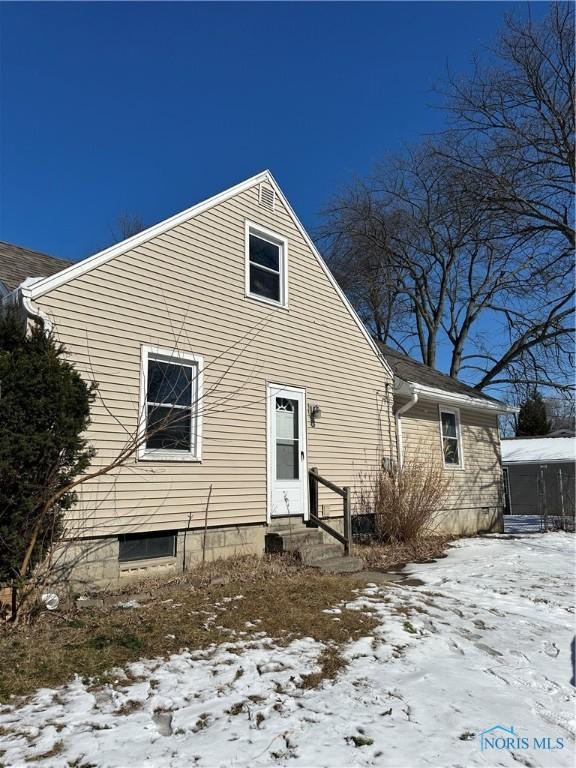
(378, 556)
(405, 500)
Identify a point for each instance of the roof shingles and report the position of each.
(407, 369)
(16, 264)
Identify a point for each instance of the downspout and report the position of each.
(403, 409)
(35, 312)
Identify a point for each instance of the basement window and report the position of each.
(146, 546)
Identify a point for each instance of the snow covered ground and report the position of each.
(483, 641)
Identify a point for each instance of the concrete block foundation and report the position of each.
(469, 522)
(94, 563)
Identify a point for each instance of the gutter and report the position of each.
(461, 400)
(403, 409)
(35, 312)
(535, 462)
(22, 295)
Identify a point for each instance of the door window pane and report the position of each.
(287, 465)
(287, 442)
(286, 418)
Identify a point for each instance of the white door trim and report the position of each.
(271, 387)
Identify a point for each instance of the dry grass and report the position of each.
(53, 752)
(331, 663)
(386, 556)
(193, 612)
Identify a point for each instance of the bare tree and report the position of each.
(127, 225)
(512, 144)
(515, 121)
(562, 413)
(466, 242)
(360, 241)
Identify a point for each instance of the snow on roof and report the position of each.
(538, 449)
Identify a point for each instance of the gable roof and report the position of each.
(536, 450)
(76, 269)
(17, 263)
(413, 372)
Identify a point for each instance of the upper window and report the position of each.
(170, 425)
(266, 266)
(451, 443)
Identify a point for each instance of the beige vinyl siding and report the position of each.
(479, 483)
(185, 289)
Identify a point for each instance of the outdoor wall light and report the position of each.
(315, 413)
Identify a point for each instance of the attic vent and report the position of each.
(267, 197)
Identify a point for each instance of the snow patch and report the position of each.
(484, 640)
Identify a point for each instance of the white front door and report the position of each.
(287, 469)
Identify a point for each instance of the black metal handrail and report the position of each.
(346, 539)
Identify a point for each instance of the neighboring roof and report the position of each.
(412, 371)
(536, 450)
(17, 263)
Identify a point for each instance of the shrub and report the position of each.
(44, 409)
(405, 500)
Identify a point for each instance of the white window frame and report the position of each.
(157, 454)
(456, 413)
(252, 228)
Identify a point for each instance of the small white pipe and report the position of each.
(406, 407)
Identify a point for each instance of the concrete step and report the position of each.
(310, 553)
(299, 538)
(292, 542)
(283, 523)
(294, 531)
(338, 564)
(312, 545)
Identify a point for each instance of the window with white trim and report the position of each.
(170, 426)
(266, 266)
(451, 442)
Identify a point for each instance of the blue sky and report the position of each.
(147, 108)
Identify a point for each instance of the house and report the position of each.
(438, 416)
(539, 475)
(226, 316)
